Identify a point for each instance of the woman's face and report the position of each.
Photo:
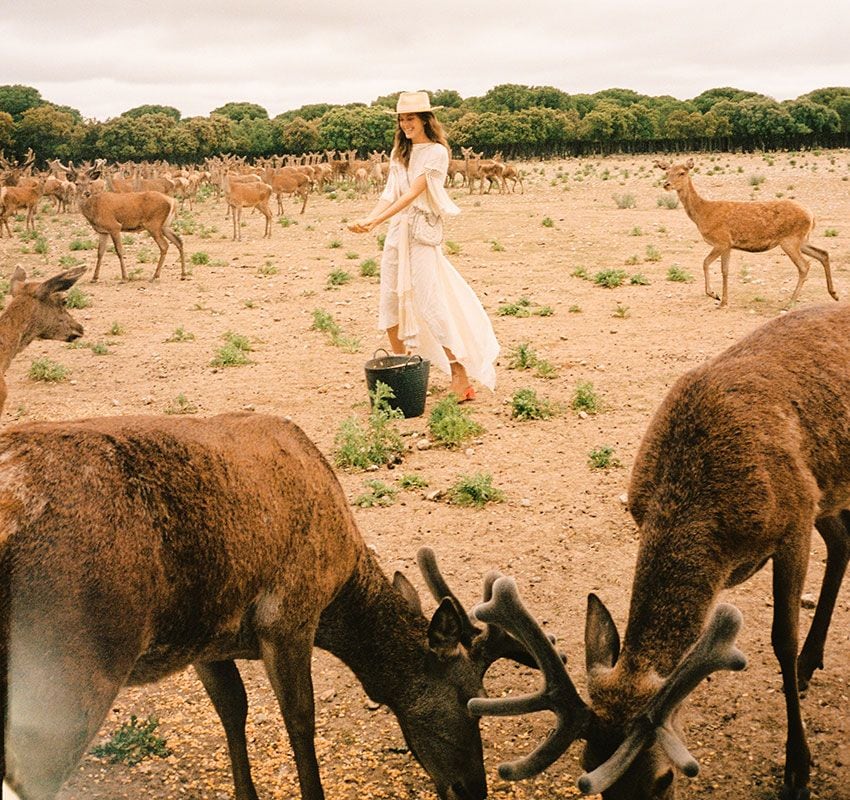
(412, 127)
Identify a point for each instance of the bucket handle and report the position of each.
(410, 356)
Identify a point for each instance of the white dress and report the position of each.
(421, 291)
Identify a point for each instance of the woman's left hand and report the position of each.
(361, 226)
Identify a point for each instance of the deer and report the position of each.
(288, 180)
(222, 538)
(36, 311)
(745, 456)
(254, 194)
(110, 213)
(753, 227)
(14, 198)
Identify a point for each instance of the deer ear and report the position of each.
(689, 163)
(446, 628)
(661, 164)
(18, 279)
(601, 640)
(60, 282)
(407, 591)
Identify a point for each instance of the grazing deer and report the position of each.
(253, 194)
(753, 227)
(132, 547)
(110, 213)
(288, 180)
(14, 198)
(745, 455)
(36, 311)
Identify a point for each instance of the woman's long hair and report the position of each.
(402, 146)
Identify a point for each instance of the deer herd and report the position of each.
(134, 547)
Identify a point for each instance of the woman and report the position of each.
(425, 304)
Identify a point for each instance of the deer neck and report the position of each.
(16, 332)
(371, 629)
(694, 205)
(673, 592)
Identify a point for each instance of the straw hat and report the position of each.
(413, 103)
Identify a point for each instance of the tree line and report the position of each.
(520, 121)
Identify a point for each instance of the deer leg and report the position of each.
(725, 258)
(178, 243)
(162, 244)
(288, 667)
(268, 213)
(224, 685)
(836, 535)
(119, 249)
(792, 250)
(823, 257)
(236, 216)
(101, 249)
(789, 570)
(304, 204)
(707, 262)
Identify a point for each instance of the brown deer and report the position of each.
(110, 213)
(745, 455)
(36, 311)
(288, 180)
(15, 198)
(753, 227)
(132, 547)
(253, 194)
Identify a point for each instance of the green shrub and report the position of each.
(76, 298)
(450, 425)
(267, 270)
(475, 490)
(452, 248)
(180, 405)
(379, 494)
(830, 232)
(43, 369)
(525, 404)
(200, 258)
(338, 277)
(678, 275)
(548, 222)
(334, 244)
(669, 201)
(610, 278)
(496, 246)
(233, 352)
(378, 443)
(625, 200)
(580, 272)
(82, 244)
(585, 398)
(133, 742)
(99, 349)
(180, 335)
(621, 311)
(116, 329)
(322, 321)
(412, 482)
(369, 268)
(639, 280)
(522, 357)
(602, 458)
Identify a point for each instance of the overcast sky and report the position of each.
(103, 57)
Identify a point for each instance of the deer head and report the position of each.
(49, 319)
(677, 174)
(632, 742)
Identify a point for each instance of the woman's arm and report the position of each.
(384, 210)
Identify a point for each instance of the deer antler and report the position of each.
(490, 643)
(714, 650)
(559, 695)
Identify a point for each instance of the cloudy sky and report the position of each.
(103, 57)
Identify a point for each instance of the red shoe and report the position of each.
(468, 395)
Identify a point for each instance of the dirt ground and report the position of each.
(563, 529)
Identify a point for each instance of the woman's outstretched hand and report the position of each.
(361, 226)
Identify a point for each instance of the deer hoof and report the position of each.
(790, 793)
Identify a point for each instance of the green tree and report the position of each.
(683, 125)
(15, 99)
(360, 128)
(705, 101)
(201, 137)
(254, 136)
(47, 130)
(812, 117)
(141, 111)
(446, 97)
(239, 111)
(149, 137)
(308, 112)
(7, 130)
(300, 136)
(841, 106)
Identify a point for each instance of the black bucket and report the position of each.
(407, 376)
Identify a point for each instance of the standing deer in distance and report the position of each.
(746, 454)
(111, 213)
(751, 226)
(36, 311)
(217, 539)
(253, 193)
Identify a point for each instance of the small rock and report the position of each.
(327, 695)
(423, 444)
(435, 495)
(808, 601)
(582, 414)
(116, 403)
(147, 400)
(371, 705)
(470, 451)
(249, 407)
(624, 499)
(372, 468)
(525, 502)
